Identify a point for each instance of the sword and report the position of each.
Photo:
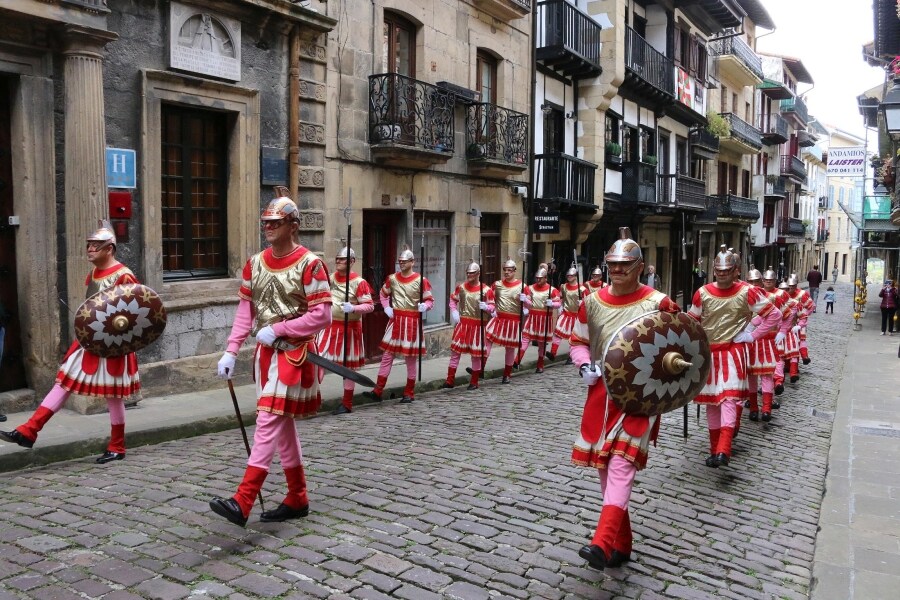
(328, 365)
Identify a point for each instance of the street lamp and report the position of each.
(890, 109)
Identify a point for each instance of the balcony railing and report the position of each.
(702, 138)
(822, 236)
(738, 47)
(409, 112)
(564, 178)
(648, 63)
(496, 133)
(791, 227)
(737, 207)
(743, 131)
(568, 40)
(690, 192)
(775, 186)
(773, 129)
(639, 182)
(711, 214)
(797, 107)
(793, 167)
(95, 6)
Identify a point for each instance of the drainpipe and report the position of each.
(529, 236)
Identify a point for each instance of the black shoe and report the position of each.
(2, 418)
(342, 410)
(446, 386)
(569, 361)
(712, 462)
(14, 437)
(506, 379)
(283, 513)
(372, 395)
(779, 390)
(516, 366)
(110, 456)
(722, 459)
(766, 417)
(472, 386)
(228, 508)
(469, 370)
(594, 555)
(539, 370)
(406, 399)
(754, 415)
(776, 404)
(617, 559)
(746, 404)
(795, 378)
(550, 356)
(806, 361)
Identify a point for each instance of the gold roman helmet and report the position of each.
(754, 275)
(542, 272)
(725, 259)
(624, 249)
(473, 268)
(770, 274)
(793, 280)
(103, 234)
(572, 272)
(598, 271)
(783, 285)
(345, 251)
(281, 207)
(509, 264)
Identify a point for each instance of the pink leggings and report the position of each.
(454, 361)
(767, 382)
(387, 361)
(56, 398)
(527, 340)
(275, 432)
(616, 481)
(510, 353)
(723, 415)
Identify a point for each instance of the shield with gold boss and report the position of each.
(120, 320)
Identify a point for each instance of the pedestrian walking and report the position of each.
(468, 313)
(889, 302)
(652, 279)
(733, 314)
(614, 443)
(285, 300)
(834, 275)
(814, 278)
(829, 300)
(342, 341)
(405, 296)
(85, 373)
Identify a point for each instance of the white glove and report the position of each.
(590, 374)
(389, 312)
(523, 297)
(524, 311)
(422, 307)
(483, 305)
(554, 304)
(743, 338)
(803, 331)
(226, 365)
(347, 307)
(779, 337)
(454, 317)
(795, 329)
(266, 336)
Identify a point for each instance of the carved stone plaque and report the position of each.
(201, 41)
(312, 220)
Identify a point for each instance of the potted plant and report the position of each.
(477, 150)
(650, 159)
(613, 153)
(717, 124)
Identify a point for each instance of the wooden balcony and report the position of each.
(568, 40)
(564, 180)
(505, 10)
(639, 183)
(732, 206)
(682, 192)
(648, 72)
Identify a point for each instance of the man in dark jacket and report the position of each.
(815, 280)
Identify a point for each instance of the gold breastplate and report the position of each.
(604, 320)
(724, 318)
(278, 294)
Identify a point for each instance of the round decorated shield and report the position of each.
(120, 320)
(656, 363)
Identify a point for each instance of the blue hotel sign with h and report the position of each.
(121, 168)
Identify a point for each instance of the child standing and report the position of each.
(829, 300)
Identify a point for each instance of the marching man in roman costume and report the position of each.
(615, 443)
(85, 373)
(468, 313)
(538, 327)
(400, 297)
(595, 282)
(806, 308)
(509, 304)
(734, 315)
(763, 353)
(790, 352)
(285, 301)
(786, 304)
(570, 298)
(351, 298)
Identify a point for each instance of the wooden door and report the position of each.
(379, 260)
(12, 370)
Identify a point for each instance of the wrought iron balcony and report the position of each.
(805, 139)
(793, 167)
(744, 137)
(776, 186)
(791, 227)
(564, 179)
(410, 121)
(711, 214)
(822, 236)
(738, 59)
(702, 138)
(647, 69)
(93, 6)
(773, 129)
(639, 182)
(682, 192)
(732, 206)
(568, 40)
(496, 139)
(797, 108)
(505, 10)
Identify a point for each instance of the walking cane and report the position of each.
(240, 420)
(549, 312)
(521, 309)
(481, 314)
(421, 298)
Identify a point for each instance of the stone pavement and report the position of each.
(457, 495)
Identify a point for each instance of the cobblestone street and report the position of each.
(459, 495)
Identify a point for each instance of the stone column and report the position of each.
(84, 147)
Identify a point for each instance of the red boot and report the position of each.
(409, 392)
(296, 504)
(473, 380)
(249, 489)
(767, 406)
(507, 374)
(621, 553)
(451, 378)
(347, 400)
(599, 553)
(723, 454)
(540, 365)
(795, 370)
(33, 426)
(378, 389)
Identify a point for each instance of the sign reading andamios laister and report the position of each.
(847, 162)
